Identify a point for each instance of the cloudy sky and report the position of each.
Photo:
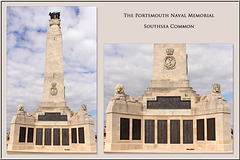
(132, 66)
(26, 43)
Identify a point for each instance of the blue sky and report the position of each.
(132, 66)
(26, 43)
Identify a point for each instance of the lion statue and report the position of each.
(216, 94)
(216, 88)
(83, 107)
(20, 108)
(120, 94)
(119, 89)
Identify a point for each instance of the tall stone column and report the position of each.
(54, 91)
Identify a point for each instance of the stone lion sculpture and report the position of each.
(83, 107)
(120, 94)
(21, 111)
(216, 88)
(119, 89)
(216, 94)
(20, 108)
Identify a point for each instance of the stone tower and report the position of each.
(53, 90)
(53, 127)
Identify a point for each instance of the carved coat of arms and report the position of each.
(53, 89)
(170, 61)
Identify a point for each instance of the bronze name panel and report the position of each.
(211, 129)
(124, 128)
(162, 131)
(169, 102)
(56, 136)
(81, 135)
(22, 134)
(200, 129)
(174, 131)
(136, 132)
(74, 135)
(65, 137)
(48, 137)
(39, 136)
(149, 131)
(52, 117)
(30, 135)
(187, 131)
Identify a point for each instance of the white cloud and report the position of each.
(208, 64)
(26, 43)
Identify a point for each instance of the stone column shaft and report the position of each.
(54, 91)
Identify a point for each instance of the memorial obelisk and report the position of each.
(53, 90)
(53, 127)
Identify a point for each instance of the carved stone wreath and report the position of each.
(170, 62)
(54, 90)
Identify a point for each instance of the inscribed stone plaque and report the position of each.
(162, 131)
(65, 137)
(56, 136)
(48, 135)
(22, 134)
(39, 136)
(187, 131)
(136, 132)
(200, 129)
(168, 102)
(124, 128)
(81, 135)
(52, 117)
(211, 129)
(30, 135)
(74, 135)
(174, 131)
(149, 131)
